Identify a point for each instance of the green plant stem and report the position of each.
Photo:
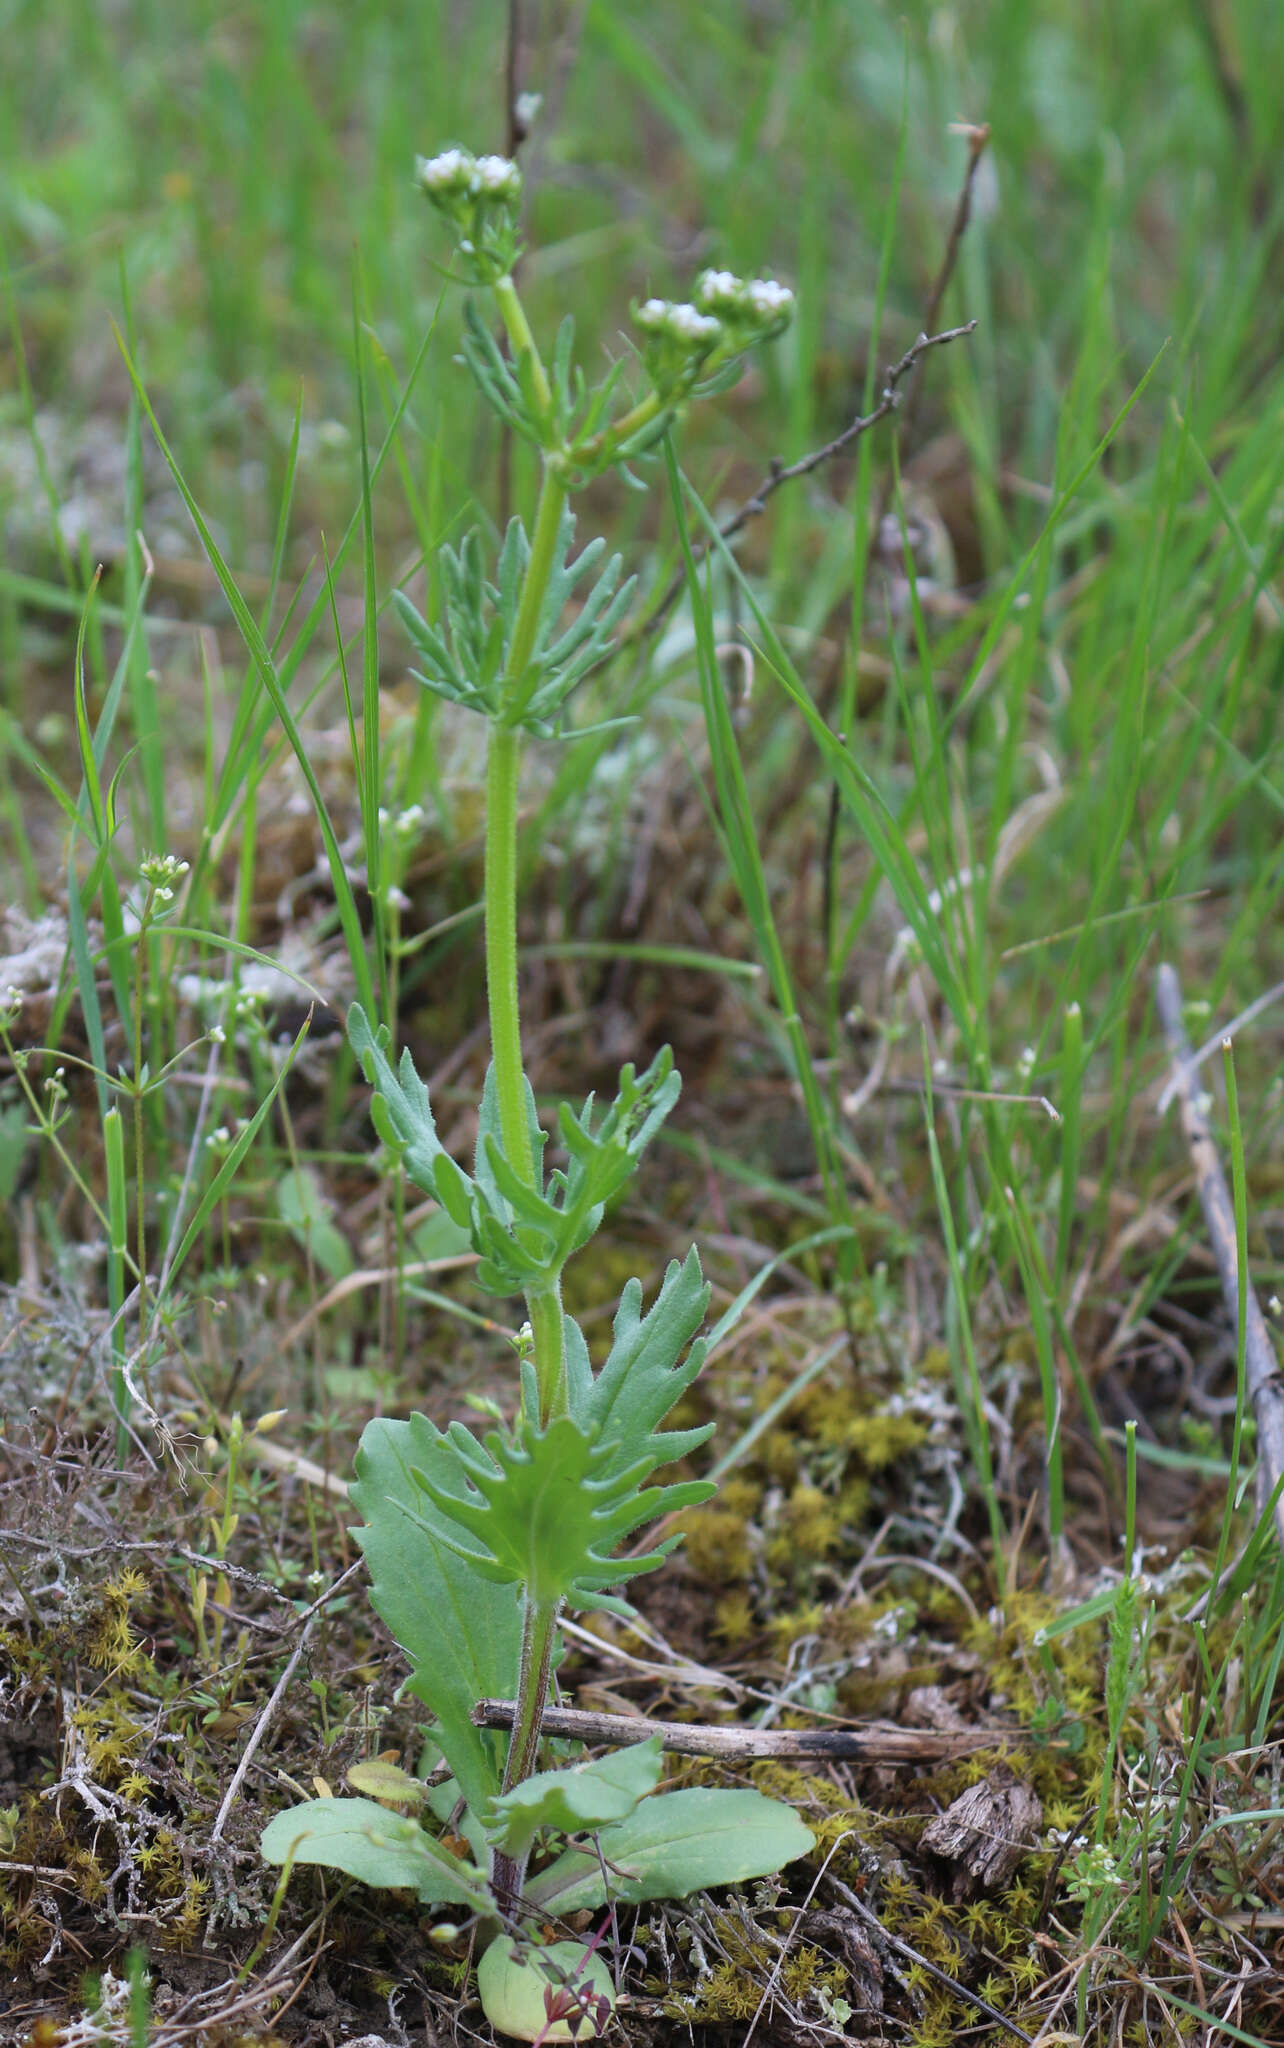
(513, 314)
(548, 1330)
(503, 765)
(539, 1632)
(503, 762)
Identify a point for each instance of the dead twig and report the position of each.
(977, 137)
(781, 473)
(1265, 1384)
(873, 1744)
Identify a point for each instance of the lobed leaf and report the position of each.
(461, 1635)
(546, 1508)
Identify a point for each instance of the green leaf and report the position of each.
(574, 1799)
(378, 1847)
(642, 1376)
(678, 1843)
(376, 1778)
(461, 1634)
(546, 1508)
(521, 1990)
(402, 1113)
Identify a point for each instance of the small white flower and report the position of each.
(449, 173)
(697, 329)
(719, 290)
(769, 299)
(161, 871)
(653, 316)
(498, 177)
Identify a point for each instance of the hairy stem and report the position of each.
(503, 762)
(503, 765)
(513, 314)
(539, 1632)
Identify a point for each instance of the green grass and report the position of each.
(1055, 742)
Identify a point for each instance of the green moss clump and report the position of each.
(717, 1545)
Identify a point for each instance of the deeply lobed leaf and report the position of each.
(545, 1508)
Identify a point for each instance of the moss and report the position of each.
(810, 1529)
(740, 1495)
(717, 1545)
(734, 1621)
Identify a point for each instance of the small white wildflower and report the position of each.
(218, 1035)
(653, 315)
(161, 871)
(446, 175)
(719, 290)
(769, 299)
(526, 107)
(498, 177)
(687, 323)
(411, 818)
(385, 817)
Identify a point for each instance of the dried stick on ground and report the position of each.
(874, 1744)
(1265, 1383)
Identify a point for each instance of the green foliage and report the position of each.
(576, 1798)
(560, 1992)
(547, 1507)
(475, 1547)
(671, 1846)
(381, 1848)
(468, 655)
(523, 1235)
(461, 1633)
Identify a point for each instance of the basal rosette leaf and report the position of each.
(575, 1799)
(367, 1841)
(674, 1844)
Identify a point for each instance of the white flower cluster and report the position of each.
(728, 313)
(760, 303)
(162, 872)
(680, 322)
(458, 174)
